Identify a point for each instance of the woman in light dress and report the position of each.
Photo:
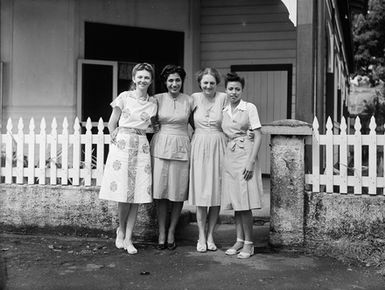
(127, 176)
(207, 151)
(242, 179)
(170, 151)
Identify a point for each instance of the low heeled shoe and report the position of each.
(211, 247)
(235, 248)
(119, 241)
(201, 248)
(129, 247)
(171, 246)
(246, 255)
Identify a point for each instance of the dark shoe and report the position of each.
(161, 246)
(172, 246)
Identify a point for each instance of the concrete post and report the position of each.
(287, 181)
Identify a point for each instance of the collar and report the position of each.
(242, 106)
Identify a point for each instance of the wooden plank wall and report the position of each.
(246, 32)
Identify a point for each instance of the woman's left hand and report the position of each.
(248, 171)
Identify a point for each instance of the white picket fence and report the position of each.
(338, 160)
(53, 158)
(78, 158)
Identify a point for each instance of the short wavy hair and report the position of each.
(144, 66)
(234, 77)
(208, 71)
(172, 69)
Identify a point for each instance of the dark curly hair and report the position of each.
(234, 77)
(172, 69)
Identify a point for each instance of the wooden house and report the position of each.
(72, 57)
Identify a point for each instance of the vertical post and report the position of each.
(305, 60)
(42, 151)
(53, 148)
(20, 152)
(31, 152)
(64, 155)
(9, 153)
(76, 153)
(287, 179)
(357, 157)
(100, 153)
(88, 153)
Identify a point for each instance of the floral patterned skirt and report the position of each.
(127, 174)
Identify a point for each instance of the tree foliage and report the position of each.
(369, 41)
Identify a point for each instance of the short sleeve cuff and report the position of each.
(255, 123)
(119, 101)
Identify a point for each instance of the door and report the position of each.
(269, 88)
(97, 87)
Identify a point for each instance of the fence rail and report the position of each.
(53, 158)
(347, 163)
(340, 162)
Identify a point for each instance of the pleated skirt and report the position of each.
(170, 179)
(207, 153)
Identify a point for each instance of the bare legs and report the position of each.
(247, 226)
(240, 235)
(127, 218)
(162, 217)
(244, 228)
(176, 208)
(175, 214)
(202, 216)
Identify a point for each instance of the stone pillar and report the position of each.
(287, 181)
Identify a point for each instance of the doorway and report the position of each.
(121, 47)
(269, 87)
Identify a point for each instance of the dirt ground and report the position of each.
(57, 262)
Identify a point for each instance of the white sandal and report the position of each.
(246, 255)
(211, 247)
(235, 249)
(201, 248)
(129, 247)
(119, 243)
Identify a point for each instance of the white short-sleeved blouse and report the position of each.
(135, 113)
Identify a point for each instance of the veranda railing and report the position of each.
(347, 163)
(53, 158)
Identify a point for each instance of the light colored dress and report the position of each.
(207, 150)
(239, 194)
(127, 174)
(170, 148)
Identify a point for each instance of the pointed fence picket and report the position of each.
(338, 162)
(53, 158)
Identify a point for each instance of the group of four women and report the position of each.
(218, 167)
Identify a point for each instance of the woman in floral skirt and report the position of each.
(127, 176)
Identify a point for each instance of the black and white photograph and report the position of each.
(192, 144)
